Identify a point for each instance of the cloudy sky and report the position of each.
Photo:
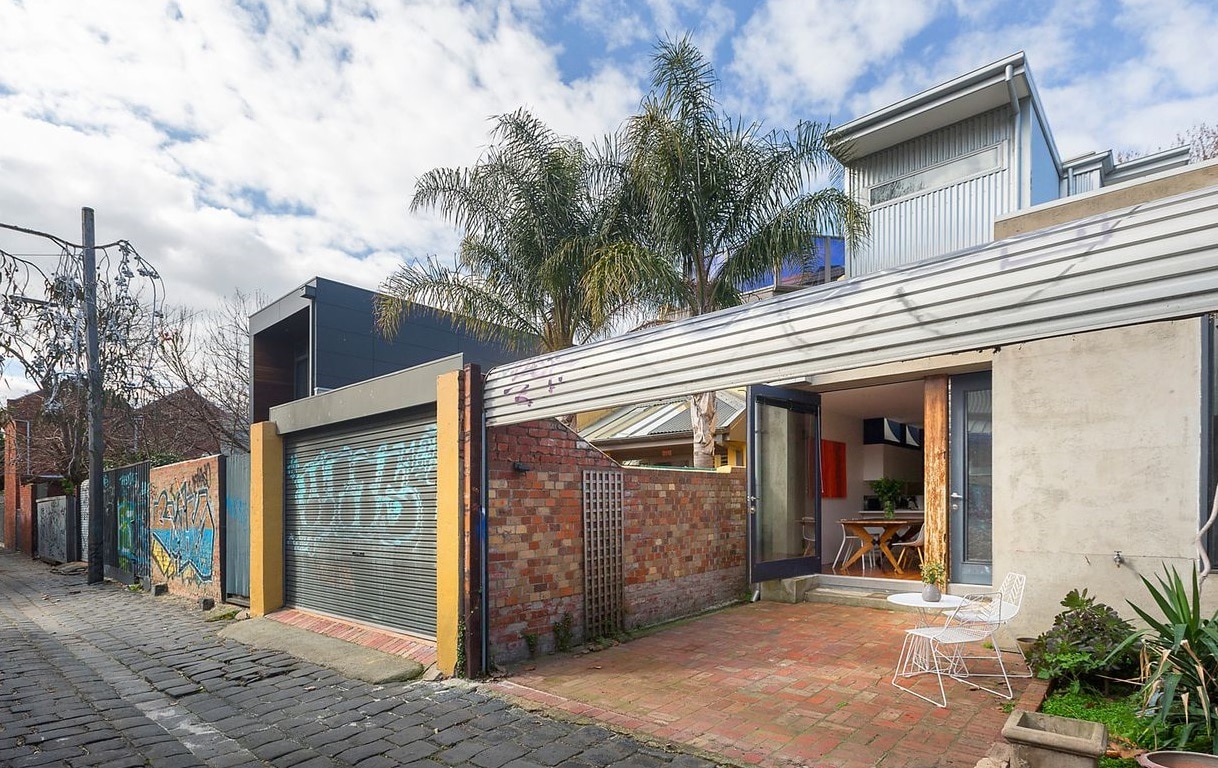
(254, 144)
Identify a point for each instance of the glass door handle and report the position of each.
(956, 499)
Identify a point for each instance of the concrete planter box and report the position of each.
(1048, 741)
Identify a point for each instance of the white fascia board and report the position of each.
(971, 94)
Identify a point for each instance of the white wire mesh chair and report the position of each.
(940, 650)
(1011, 592)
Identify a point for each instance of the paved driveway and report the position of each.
(775, 684)
(99, 676)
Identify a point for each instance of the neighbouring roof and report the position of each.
(661, 419)
(1114, 171)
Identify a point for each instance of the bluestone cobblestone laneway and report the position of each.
(101, 676)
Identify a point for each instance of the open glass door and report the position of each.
(970, 511)
(784, 483)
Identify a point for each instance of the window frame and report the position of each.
(999, 153)
(1209, 431)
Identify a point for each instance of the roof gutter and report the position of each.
(1016, 154)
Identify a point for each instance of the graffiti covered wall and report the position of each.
(54, 529)
(185, 527)
(125, 500)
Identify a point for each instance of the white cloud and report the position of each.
(801, 54)
(1179, 39)
(253, 151)
(181, 124)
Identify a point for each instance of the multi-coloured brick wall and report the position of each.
(184, 517)
(684, 537)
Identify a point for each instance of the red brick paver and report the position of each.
(775, 684)
(422, 651)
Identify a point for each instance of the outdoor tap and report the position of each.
(1117, 558)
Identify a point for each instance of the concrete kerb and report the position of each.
(346, 658)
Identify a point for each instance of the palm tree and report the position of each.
(535, 216)
(716, 201)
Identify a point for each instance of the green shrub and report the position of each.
(564, 633)
(1179, 664)
(1087, 641)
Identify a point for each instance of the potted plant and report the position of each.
(890, 491)
(933, 574)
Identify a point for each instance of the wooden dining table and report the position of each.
(890, 528)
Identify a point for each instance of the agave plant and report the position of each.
(1179, 664)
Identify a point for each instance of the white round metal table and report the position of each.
(916, 656)
(926, 610)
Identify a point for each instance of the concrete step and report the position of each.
(823, 588)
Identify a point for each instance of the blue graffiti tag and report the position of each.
(380, 489)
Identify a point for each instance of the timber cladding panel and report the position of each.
(184, 519)
(684, 537)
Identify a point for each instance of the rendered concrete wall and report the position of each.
(1097, 448)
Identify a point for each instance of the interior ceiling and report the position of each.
(901, 401)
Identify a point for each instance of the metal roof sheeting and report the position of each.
(1154, 261)
(663, 418)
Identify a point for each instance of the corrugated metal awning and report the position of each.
(660, 419)
(1154, 261)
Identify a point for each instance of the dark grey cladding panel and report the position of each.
(350, 348)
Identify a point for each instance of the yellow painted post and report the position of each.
(266, 519)
(448, 520)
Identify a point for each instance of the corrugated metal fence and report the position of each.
(126, 527)
(235, 515)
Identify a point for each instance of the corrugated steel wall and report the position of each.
(1154, 261)
(126, 525)
(237, 525)
(931, 224)
(1084, 182)
(940, 220)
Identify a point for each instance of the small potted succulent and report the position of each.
(890, 491)
(933, 574)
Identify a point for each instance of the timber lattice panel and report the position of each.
(604, 572)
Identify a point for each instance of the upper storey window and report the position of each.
(941, 175)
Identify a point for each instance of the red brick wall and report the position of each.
(684, 537)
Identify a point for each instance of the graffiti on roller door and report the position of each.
(378, 488)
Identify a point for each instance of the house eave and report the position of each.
(970, 94)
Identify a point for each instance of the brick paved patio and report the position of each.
(776, 684)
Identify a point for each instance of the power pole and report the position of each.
(94, 382)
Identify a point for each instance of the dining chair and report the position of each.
(847, 547)
(807, 530)
(917, 542)
(940, 650)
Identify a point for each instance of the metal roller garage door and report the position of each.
(360, 522)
